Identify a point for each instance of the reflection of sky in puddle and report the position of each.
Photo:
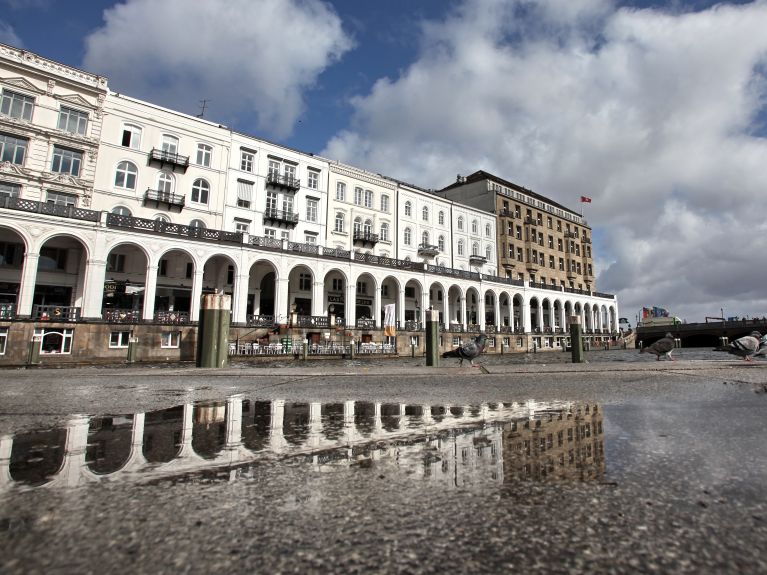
(450, 444)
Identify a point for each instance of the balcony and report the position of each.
(158, 198)
(163, 158)
(7, 310)
(365, 238)
(572, 235)
(172, 317)
(366, 323)
(260, 320)
(428, 250)
(113, 315)
(286, 182)
(280, 218)
(508, 214)
(476, 260)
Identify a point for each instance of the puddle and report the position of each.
(492, 443)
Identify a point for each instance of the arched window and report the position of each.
(197, 224)
(125, 175)
(367, 227)
(164, 183)
(357, 225)
(460, 247)
(161, 218)
(408, 209)
(475, 249)
(339, 222)
(460, 222)
(121, 211)
(200, 189)
(474, 227)
(406, 237)
(441, 243)
(487, 230)
(384, 232)
(425, 238)
(425, 214)
(441, 218)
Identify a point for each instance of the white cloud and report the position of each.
(650, 113)
(248, 58)
(8, 35)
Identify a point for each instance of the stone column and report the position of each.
(240, 303)
(377, 311)
(150, 291)
(93, 292)
(281, 297)
(194, 311)
(27, 286)
(318, 299)
(463, 313)
(351, 305)
(401, 308)
(526, 321)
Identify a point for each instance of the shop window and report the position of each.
(53, 341)
(170, 339)
(119, 339)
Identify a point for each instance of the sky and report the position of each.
(657, 111)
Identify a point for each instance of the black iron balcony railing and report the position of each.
(7, 310)
(281, 216)
(172, 317)
(285, 182)
(477, 260)
(365, 237)
(260, 320)
(159, 197)
(428, 250)
(311, 321)
(55, 313)
(121, 315)
(165, 158)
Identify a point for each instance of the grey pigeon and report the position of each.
(762, 351)
(663, 346)
(469, 351)
(745, 347)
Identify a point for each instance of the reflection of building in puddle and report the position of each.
(556, 445)
(453, 445)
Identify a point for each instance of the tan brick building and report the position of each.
(538, 239)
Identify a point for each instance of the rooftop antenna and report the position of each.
(203, 105)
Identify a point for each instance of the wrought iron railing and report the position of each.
(49, 209)
(260, 320)
(55, 313)
(172, 317)
(121, 315)
(7, 310)
(163, 197)
(281, 216)
(284, 181)
(320, 321)
(368, 237)
(411, 325)
(366, 323)
(165, 157)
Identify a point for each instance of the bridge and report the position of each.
(706, 334)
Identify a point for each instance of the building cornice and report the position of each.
(51, 68)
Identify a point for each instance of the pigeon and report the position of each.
(663, 346)
(469, 351)
(745, 347)
(762, 347)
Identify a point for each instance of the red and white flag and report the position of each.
(585, 200)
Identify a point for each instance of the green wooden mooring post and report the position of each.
(432, 338)
(213, 331)
(576, 338)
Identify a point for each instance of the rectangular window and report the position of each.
(66, 161)
(313, 180)
(270, 233)
(8, 190)
(60, 199)
(244, 193)
(358, 194)
(340, 191)
(304, 282)
(338, 284)
(131, 137)
(3, 339)
(54, 340)
(274, 168)
(73, 121)
(290, 172)
(170, 339)
(310, 238)
(118, 339)
(11, 255)
(246, 160)
(189, 270)
(204, 155)
(53, 259)
(285, 235)
(12, 149)
(368, 198)
(271, 202)
(162, 268)
(385, 206)
(116, 263)
(17, 105)
(242, 226)
(312, 207)
(287, 204)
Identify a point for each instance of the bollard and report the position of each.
(576, 339)
(132, 346)
(213, 331)
(723, 341)
(33, 350)
(305, 350)
(432, 337)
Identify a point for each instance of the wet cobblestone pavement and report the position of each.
(606, 467)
